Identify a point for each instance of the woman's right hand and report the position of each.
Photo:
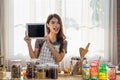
(27, 38)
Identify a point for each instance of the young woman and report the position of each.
(53, 48)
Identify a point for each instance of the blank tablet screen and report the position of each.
(36, 30)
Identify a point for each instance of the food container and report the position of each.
(52, 71)
(94, 71)
(102, 75)
(2, 71)
(23, 73)
(16, 69)
(73, 62)
(30, 71)
(40, 72)
(86, 72)
(111, 72)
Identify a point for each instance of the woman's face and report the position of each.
(54, 25)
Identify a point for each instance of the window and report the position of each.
(85, 21)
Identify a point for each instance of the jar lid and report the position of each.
(24, 68)
(93, 64)
(52, 65)
(18, 60)
(111, 66)
(75, 58)
(32, 60)
(86, 66)
(41, 66)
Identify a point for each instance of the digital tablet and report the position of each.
(36, 30)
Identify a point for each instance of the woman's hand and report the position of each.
(47, 39)
(27, 39)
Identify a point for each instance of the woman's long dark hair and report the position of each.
(60, 36)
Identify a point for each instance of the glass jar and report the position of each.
(86, 72)
(111, 72)
(102, 75)
(30, 71)
(52, 71)
(93, 71)
(16, 69)
(23, 73)
(2, 71)
(40, 71)
(73, 62)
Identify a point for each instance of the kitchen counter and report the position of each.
(60, 77)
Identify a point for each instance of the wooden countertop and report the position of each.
(60, 77)
(76, 77)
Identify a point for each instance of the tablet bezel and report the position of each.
(36, 24)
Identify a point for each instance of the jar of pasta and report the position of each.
(40, 72)
(16, 69)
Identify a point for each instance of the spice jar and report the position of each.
(52, 71)
(16, 69)
(111, 72)
(40, 71)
